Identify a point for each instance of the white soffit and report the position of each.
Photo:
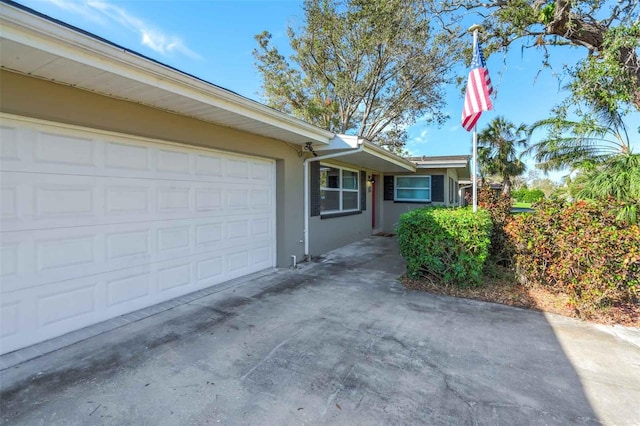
(33, 45)
(339, 142)
(371, 157)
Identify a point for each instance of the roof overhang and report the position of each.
(370, 156)
(460, 163)
(36, 45)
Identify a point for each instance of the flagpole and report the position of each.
(475, 168)
(474, 29)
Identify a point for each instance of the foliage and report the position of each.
(497, 150)
(604, 80)
(365, 67)
(618, 178)
(599, 147)
(526, 195)
(451, 244)
(608, 32)
(534, 180)
(499, 207)
(597, 136)
(579, 249)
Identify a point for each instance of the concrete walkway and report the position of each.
(338, 341)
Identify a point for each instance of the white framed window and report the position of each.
(339, 189)
(412, 188)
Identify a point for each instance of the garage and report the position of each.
(96, 224)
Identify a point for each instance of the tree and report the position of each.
(599, 149)
(617, 178)
(594, 138)
(498, 150)
(609, 32)
(365, 67)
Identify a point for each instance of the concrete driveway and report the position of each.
(338, 341)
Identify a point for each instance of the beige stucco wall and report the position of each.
(330, 233)
(22, 95)
(453, 174)
(392, 209)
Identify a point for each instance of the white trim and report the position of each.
(340, 190)
(274, 220)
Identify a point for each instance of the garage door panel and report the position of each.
(95, 226)
(31, 258)
(9, 318)
(57, 308)
(9, 146)
(124, 156)
(37, 200)
(74, 152)
(9, 259)
(66, 304)
(8, 202)
(209, 166)
(64, 150)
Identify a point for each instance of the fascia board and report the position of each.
(34, 31)
(452, 165)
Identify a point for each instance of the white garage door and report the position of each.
(96, 224)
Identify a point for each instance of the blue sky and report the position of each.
(213, 40)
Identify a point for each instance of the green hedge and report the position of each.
(579, 249)
(528, 195)
(451, 244)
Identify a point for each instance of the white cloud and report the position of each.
(79, 8)
(421, 139)
(107, 14)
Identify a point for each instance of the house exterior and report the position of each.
(126, 183)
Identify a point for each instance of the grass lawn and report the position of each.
(519, 205)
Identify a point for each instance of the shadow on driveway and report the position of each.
(338, 341)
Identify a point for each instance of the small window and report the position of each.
(338, 190)
(413, 188)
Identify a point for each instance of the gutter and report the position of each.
(305, 165)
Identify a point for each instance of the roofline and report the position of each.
(439, 157)
(388, 156)
(443, 161)
(442, 165)
(32, 28)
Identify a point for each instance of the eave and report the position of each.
(36, 45)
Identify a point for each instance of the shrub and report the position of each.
(518, 194)
(525, 195)
(533, 196)
(581, 250)
(499, 207)
(451, 244)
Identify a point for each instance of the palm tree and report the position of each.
(599, 149)
(498, 146)
(577, 144)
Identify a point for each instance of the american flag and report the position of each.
(479, 88)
